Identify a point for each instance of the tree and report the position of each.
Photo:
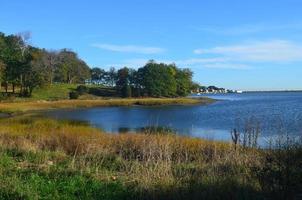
(13, 55)
(71, 69)
(184, 83)
(122, 82)
(2, 64)
(111, 77)
(36, 73)
(98, 75)
(50, 61)
(2, 70)
(27, 67)
(157, 79)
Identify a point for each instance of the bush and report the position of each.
(82, 89)
(74, 95)
(106, 92)
(7, 96)
(126, 91)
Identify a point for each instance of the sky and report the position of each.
(236, 44)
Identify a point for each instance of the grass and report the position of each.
(53, 92)
(43, 158)
(47, 93)
(16, 107)
(57, 96)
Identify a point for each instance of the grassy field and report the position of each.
(48, 93)
(53, 92)
(43, 158)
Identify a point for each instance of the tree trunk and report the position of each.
(6, 87)
(21, 84)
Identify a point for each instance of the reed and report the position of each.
(126, 166)
(22, 106)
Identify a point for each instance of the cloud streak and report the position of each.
(130, 48)
(241, 56)
(227, 66)
(251, 28)
(276, 51)
(211, 63)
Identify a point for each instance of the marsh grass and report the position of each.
(45, 158)
(15, 107)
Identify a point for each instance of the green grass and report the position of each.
(43, 158)
(26, 175)
(53, 92)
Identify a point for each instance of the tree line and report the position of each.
(24, 67)
(27, 67)
(153, 79)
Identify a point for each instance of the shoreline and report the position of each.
(22, 107)
(53, 153)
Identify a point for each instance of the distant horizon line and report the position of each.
(283, 90)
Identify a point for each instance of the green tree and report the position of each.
(111, 77)
(98, 75)
(35, 73)
(157, 79)
(183, 81)
(71, 69)
(13, 55)
(122, 82)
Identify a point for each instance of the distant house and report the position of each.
(210, 89)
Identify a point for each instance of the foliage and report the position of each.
(153, 80)
(44, 158)
(23, 68)
(82, 89)
(70, 68)
(26, 68)
(74, 95)
(123, 82)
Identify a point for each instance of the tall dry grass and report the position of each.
(24, 106)
(154, 166)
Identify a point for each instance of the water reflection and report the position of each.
(276, 112)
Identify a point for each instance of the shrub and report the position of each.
(126, 91)
(107, 92)
(82, 89)
(7, 96)
(74, 95)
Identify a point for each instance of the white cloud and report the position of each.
(196, 61)
(130, 48)
(246, 29)
(265, 51)
(217, 63)
(227, 66)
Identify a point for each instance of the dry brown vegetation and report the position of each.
(42, 105)
(149, 166)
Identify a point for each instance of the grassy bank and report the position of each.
(24, 106)
(57, 96)
(49, 159)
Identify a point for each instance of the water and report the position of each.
(4, 115)
(276, 111)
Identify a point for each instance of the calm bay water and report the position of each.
(275, 111)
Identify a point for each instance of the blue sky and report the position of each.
(237, 44)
